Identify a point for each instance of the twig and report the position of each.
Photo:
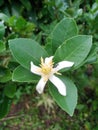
(12, 117)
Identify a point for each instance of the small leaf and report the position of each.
(26, 50)
(20, 23)
(5, 75)
(21, 74)
(75, 49)
(5, 104)
(68, 102)
(10, 91)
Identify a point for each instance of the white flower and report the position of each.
(47, 71)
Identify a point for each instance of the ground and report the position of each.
(28, 115)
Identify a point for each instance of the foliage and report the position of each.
(63, 28)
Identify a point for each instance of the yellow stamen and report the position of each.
(47, 68)
(58, 73)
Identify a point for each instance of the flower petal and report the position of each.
(34, 69)
(40, 86)
(63, 64)
(59, 85)
(48, 59)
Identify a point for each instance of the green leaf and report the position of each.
(5, 75)
(4, 17)
(12, 21)
(92, 57)
(2, 46)
(48, 47)
(68, 102)
(26, 50)
(2, 30)
(10, 91)
(21, 74)
(5, 104)
(75, 49)
(20, 23)
(64, 30)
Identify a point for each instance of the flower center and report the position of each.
(46, 67)
(46, 70)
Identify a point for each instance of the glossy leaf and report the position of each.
(75, 49)
(21, 74)
(64, 30)
(26, 50)
(68, 102)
